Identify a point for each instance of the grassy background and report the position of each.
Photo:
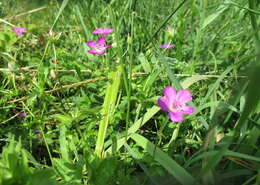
(67, 93)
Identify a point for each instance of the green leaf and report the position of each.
(68, 171)
(193, 79)
(145, 64)
(213, 16)
(42, 177)
(64, 119)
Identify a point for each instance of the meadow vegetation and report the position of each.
(69, 115)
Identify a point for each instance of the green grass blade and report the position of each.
(213, 16)
(165, 21)
(6, 22)
(245, 8)
(253, 17)
(108, 108)
(169, 164)
(63, 5)
(78, 13)
(217, 83)
(240, 155)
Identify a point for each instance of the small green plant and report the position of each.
(17, 169)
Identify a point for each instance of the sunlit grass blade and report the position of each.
(169, 164)
(63, 143)
(108, 109)
(6, 22)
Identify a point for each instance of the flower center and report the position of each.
(99, 47)
(176, 106)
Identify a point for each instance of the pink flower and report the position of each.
(98, 47)
(167, 46)
(103, 31)
(19, 31)
(174, 103)
(22, 114)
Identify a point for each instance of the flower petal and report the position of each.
(169, 92)
(97, 31)
(163, 103)
(102, 31)
(101, 41)
(22, 114)
(176, 116)
(184, 96)
(167, 46)
(92, 44)
(23, 29)
(19, 31)
(187, 109)
(97, 52)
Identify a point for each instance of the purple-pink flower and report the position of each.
(175, 103)
(19, 31)
(103, 31)
(22, 114)
(98, 47)
(167, 46)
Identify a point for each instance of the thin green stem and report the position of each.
(46, 144)
(130, 77)
(164, 22)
